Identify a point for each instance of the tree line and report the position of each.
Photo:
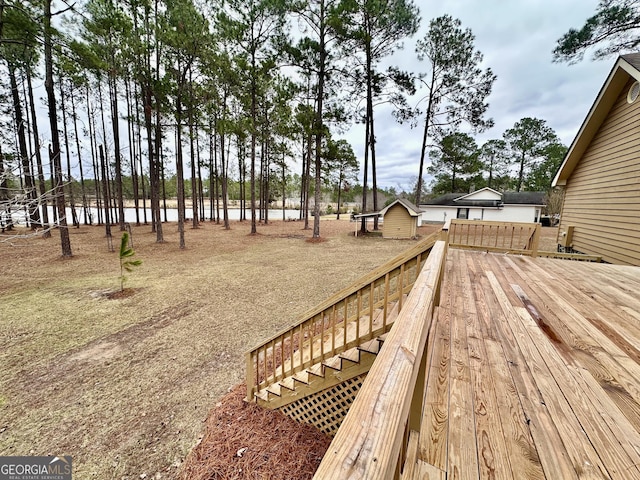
(247, 86)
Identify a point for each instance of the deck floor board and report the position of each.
(536, 370)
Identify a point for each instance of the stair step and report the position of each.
(288, 383)
(317, 370)
(372, 346)
(302, 377)
(353, 355)
(262, 395)
(334, 363)
(275, 389)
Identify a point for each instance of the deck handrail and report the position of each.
(512, 237)
(371, 439)
(282, 354)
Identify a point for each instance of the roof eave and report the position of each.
(608, 94)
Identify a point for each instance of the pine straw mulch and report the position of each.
(243, 441)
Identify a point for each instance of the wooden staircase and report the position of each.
(332, 370)
(338, 340)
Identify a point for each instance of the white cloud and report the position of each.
(517, 39)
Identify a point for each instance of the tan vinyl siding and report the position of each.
(398, 223)
(602, 196)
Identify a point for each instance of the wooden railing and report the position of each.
(371, 440)
(335, 325)
(512, 237)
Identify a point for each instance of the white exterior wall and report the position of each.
(513, 213)
(477, 213)
(437, 214)
(509, 213)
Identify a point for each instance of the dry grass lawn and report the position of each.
(124, 384)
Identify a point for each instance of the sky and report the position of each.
(516, 39)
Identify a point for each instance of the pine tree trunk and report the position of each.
(142, 180)
(223, 165)
(319, 120)
(253, 144)
(303, 177)
(200, 182)
(363, 223)
(308, 180)
(372, 136)
(105, 187)
(284, 187)
(36, 142)
(79, 152)
(180, 171)
(195, 211)
(423, 150)
(29, 186)
(72, 203)
(164, 186)
(132, 151)
(65, 241)
(115, 123)
(94, 159)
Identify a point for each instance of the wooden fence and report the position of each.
(336, 325)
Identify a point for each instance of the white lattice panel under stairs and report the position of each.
(326, 409)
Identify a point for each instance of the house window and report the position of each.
(463, 213)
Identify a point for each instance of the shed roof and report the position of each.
(626, 67)
(413, 210)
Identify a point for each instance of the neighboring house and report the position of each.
(601, 173)
(400, 219)
(485, 204)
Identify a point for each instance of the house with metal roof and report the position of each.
(485, 204)
(600, 173)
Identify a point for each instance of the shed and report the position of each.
(485, 204)
(400, 219)
(601, 172)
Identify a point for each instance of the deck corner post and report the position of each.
(250, 379)
(417, 401)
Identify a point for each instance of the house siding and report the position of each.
(514, 213)
(398, 223)
(602, 195)
(508, 213)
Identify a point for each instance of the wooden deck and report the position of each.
(533, 371)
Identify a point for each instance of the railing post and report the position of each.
(250, 378)
(444, 233)
(415, 411)
(400, 282)
(536, 241)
